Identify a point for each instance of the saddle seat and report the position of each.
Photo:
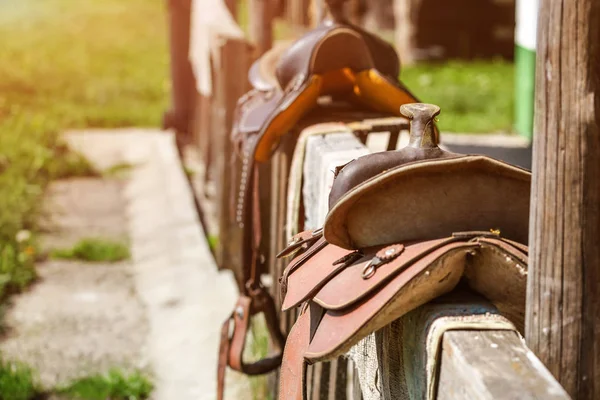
(422, 191)
(335, 59)
(404, 227)
(318, 51)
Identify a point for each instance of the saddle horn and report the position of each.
(422, 124)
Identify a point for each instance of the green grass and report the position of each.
(258, 349)
(115, 385)
(474, 96)
(16, 267)
(68, 64)
(213, 242)
(85, 63)
(17, 382)
(94, 250)
(118, 170)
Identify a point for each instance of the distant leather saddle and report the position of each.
(404, 227)
(335, 59)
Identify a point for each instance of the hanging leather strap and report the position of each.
(254, 299)
(292, 378)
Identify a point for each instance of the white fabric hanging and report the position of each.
(211, 23)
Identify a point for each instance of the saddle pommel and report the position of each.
(422, 124)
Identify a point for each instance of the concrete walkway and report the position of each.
(175, 277)
(79, 318)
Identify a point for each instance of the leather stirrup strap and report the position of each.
(223, 357)
(292, 377)
(254, 299)
(231, 349)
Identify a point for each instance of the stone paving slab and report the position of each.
(186, 298)
(83, 207)
(80, 318)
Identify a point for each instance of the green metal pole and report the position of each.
(525, 44)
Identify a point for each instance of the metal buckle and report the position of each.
(369, 270)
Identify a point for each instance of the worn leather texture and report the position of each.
(428, 199)
(422, 191)
(346, 306)
(334, 45)
(336, 59)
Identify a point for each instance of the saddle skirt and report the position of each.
(404, 228)
(358, 292)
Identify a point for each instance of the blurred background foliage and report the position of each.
(88, 63)
(68, 64)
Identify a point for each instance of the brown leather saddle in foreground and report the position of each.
(404, 227)
(338, 60)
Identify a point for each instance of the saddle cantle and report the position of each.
(404, 228)
(336, 59)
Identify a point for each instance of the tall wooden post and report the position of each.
(405, 32)
(261, 25)
(318, 11)
(297, 13)
(563, 298)
(183, 92)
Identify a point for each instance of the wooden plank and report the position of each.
(563, 307)
(297, 13)
(323, 154)
(337, 379)
(406, 29)
(202, 129)
(356, 392)
(492, 365)
(320, 384)
(261, 25)
(318, 11)
(231, 84)
(183, 82)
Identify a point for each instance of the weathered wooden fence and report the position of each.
(482, 357)
(295, 197)
(474, 363)
(212, 147)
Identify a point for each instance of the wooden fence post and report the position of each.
(231, 83)
(261, 22)
(298, 13)
(405, 31)
(183, 92)
(563, 299)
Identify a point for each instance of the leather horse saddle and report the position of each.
(404, 227)
(336, 59)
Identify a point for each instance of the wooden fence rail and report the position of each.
(475, 363)
(294, 197)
